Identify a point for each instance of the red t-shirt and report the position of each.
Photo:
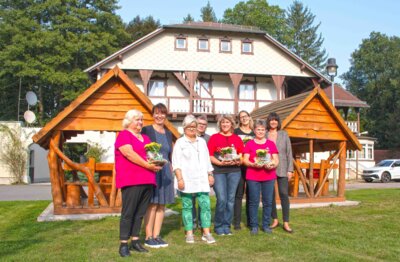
(128, 173)
(259, 174)
(218, 141)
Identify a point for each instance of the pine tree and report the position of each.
(305, 40)
(138, 27)
(208, 14)
(189, 18)
(48, 44)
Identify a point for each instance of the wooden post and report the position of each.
(91, 165)
(342, 170)
(236, 79)
(54, 176)
(311, 172)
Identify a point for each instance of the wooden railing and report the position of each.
(207, 105)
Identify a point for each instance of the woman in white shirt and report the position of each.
(193, 171)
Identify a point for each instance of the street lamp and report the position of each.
(331, 70)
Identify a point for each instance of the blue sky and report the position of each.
(344, 23)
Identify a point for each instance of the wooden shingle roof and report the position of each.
(311, 116)
(101, 107)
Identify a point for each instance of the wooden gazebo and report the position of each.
(314, 125)
(100, 108)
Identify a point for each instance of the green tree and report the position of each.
(374, 76)
(305, 40)
(188, 18)
(48, 43)
(137, 28)
(208, 14)
(270, 18)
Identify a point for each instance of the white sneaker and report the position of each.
(189, 239)
(208, 238)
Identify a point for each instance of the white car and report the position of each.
(384, 171)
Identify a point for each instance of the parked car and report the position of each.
(384, 171)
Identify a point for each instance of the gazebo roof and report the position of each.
(101, 107)
(311, 116)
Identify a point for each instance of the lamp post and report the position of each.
(331, 70)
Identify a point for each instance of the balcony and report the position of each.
(353, 125)
(210, 106)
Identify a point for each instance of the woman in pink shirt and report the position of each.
(260, 176)
(136, 178)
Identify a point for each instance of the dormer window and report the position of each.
(181, 42)
(203, 44)
(247, 46)
(225, 45)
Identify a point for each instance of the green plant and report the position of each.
(95, 150)
(13, 153)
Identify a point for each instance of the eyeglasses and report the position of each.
(201, 124)
(191, 128)
(244, 117)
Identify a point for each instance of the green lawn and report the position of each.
(368, 232)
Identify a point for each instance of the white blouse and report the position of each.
(193, 159)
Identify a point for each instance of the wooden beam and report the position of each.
(311, 170)
(342, 170)
(52, 159)
(302, 178)
(278, 81)
(182, 80)
(329, 170)
(236, 79)
(145, 75)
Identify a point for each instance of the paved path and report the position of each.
(43, 191)
(25, 192)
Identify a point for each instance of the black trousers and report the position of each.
(283, 189)
(237, 208)
(135, 200)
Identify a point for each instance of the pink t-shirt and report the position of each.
(259, 174)
(128, 173)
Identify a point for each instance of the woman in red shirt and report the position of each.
(260, 176)
(226, 172)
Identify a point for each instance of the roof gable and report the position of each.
(101, 108)
(310, 116)
(303, 68)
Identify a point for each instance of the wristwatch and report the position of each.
(211, 174)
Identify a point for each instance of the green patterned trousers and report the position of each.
(205, 210)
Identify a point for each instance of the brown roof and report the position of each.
(344, 98)
(217, 27)
(101, 107)
(290, 109)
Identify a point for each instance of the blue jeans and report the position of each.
(225, 186)
(267, 190)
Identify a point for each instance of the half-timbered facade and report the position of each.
(211, 68)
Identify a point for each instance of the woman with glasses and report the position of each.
(245, 132)
(193, 171)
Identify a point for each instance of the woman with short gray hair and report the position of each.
(193, 171)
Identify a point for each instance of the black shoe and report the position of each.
(277, 225)
(136, 246)
(124, 250)
(287, 230)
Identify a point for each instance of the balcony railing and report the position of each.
(353, 125)
(207, 105)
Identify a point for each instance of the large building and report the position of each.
(211, 68)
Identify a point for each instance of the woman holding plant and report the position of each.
(136, 178)
(284, 170)
(261, 159)
(193, 170)
(245, 132)
(164, 192)
(225, 150)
